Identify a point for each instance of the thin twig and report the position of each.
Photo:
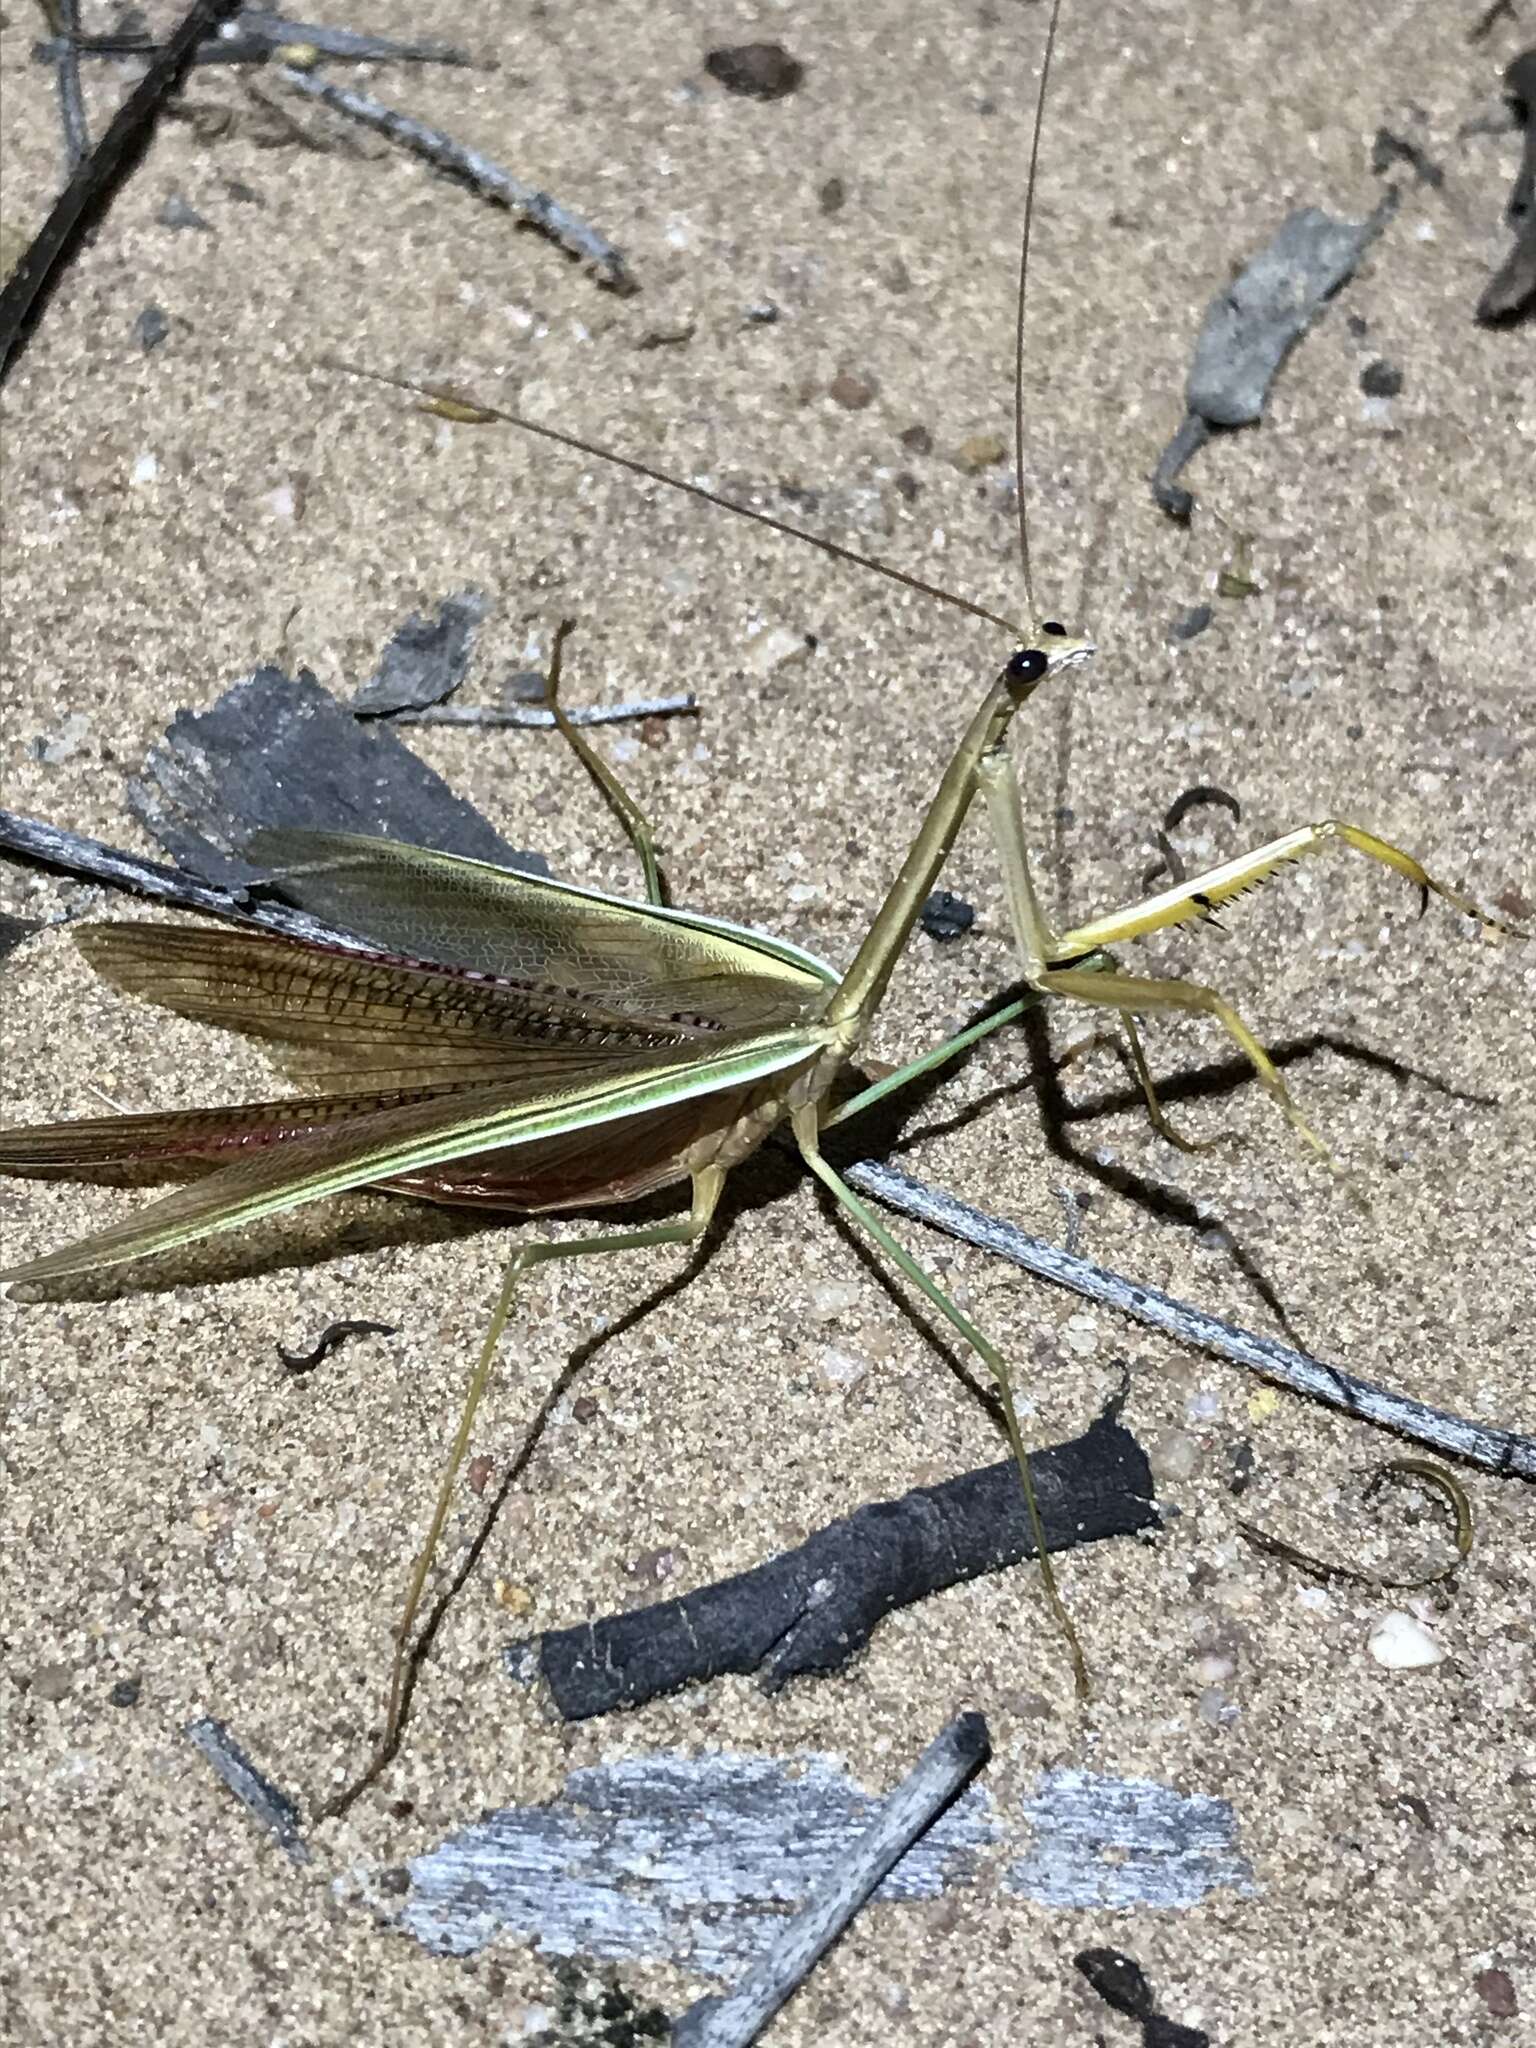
(1497, 1450)
(530, 718)
(94, 861)
(487, 178)
(66, 66)
(945, 1766)
(98, 175)
(257, 32)
(266, 1802)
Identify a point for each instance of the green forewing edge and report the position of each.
(421, 1135)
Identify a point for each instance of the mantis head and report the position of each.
(1055, 649)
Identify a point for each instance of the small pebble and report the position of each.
(840, 1368)
(1381, 379)
(151, 328)
(981, 451)
(1399, 1643)
(833, 196)
(758, 71)
(125, 1693)
(774, 647)
(1173, 1455)
(146, 470)
(833, 1298)
(1191, 624)
(176, 213)
(762, 313)
(853, 394)
(52, 1682)
(1496, 1988)
(585, 1408)
(916, 440)
(515, 1598)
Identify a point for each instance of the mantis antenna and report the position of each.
(1018, 332)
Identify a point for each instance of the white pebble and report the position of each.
(146, 469)
(776, 647)
(840, 1368)
(1403, 1644)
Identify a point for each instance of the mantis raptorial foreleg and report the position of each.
(807, 1137)
(1203, 893)
(1104, 983)
(686, 1230)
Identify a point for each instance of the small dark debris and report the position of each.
(478, 1472)
(758, 71)
(1389, 149)
(1358, 326)
(13, 930)
(595, 2011)
(762, 313)
(832, 197)
(1243, 1461)
(395, 1882)
(426, 659)
(151, 328)
(668, 337)
(907, 485)
(126, 1692)
(1191, 624)
(1496, 1989)
(331, 1339)
(178, 213)
(916, 440)
(1122, 1984)
(945, 917)
(243, 194)
(1381, 379)
(1511, 291)
(853, 394)
(275, 1811)
(527, 686)
(1197, 797)
(585, 1408)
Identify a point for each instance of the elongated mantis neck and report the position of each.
(861, 988)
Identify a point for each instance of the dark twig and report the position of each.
(256, 32)
(486, 177)
(1512, 288)
(66, 68)
(945, 1767)
(330, 1339)
(271, 1806)
(1504, 1451)
(99, 174)
(530, 718)
(808, 1611)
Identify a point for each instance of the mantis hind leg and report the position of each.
(637, 826)
(706, 1195)
(807, 1137)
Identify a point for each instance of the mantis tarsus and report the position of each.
(526, 1045)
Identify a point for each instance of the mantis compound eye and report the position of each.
(1027, 666)
(1051, 626)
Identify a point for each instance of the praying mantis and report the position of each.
(522, 1045)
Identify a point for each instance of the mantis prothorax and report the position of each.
(527, 1045)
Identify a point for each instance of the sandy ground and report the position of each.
(178, 1513)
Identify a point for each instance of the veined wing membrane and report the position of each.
(393, 1144)
(329, 1013)
(628, 956)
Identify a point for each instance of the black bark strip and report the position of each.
(99, 175)
(810, 1610)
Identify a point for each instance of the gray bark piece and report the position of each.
(696, 1859)
(279, 750)
(425, 660)
(1105, 1841)
(1251, 325)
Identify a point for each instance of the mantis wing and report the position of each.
(633, 957)
(398, 1144)
(370, 1020)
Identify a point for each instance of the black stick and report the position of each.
(811, 1609)
(99, 174)
(945, 1767)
